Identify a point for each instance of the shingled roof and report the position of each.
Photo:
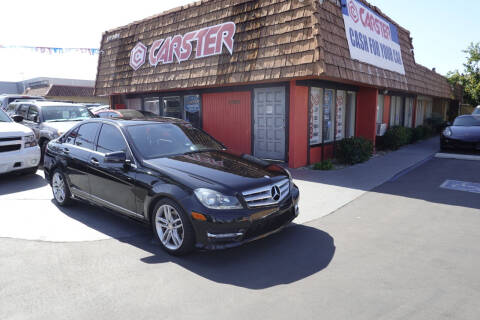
(56, 90)
(275, 40)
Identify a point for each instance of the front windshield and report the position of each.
(4, 117)
(467, 121)
(65, 113)
(158, 140)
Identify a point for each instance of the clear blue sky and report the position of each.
(440, 29)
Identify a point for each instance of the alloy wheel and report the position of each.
(58, 186)
(169, 227)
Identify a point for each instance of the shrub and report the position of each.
(397, 136)
(324, 165)
(418, 133)
(354, 150)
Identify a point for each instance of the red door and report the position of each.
(227, 117)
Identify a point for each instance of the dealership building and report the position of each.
(281, 80)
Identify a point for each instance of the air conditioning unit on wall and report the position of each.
(381, 129)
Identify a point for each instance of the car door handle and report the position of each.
(94, 161)
(66, 151)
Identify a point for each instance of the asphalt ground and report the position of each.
(406, 250)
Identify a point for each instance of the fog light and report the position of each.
(34, 162)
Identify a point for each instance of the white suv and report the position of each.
(19, 150)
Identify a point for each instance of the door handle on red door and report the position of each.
(94, 161)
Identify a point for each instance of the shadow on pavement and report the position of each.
(16, 182)
(424, 182)
(288, 256)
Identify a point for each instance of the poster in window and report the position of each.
(192, 103)
(327, 116)
(315, 115)
(340, 115)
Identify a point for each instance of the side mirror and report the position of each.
(17, 118)
(35, 118)
(448, 123)
(115, 157)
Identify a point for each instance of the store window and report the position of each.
(152, 105)
(380, 107)
(408, 112)
(340, 114)
(316, 105)
(332, 115)
(191, 105)
(172, 107)
(350, 114)
(420, 112)
(396, 111)
(134, 103)
(328, 103)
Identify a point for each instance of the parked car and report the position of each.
(126, 114)
(463, 134)
(98, 108)
(6, 99)
(476, 110)
(49, 119)
(19, 150)
(165, 172)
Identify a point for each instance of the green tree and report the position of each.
(469, 79)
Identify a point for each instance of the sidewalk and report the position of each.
(323, 192)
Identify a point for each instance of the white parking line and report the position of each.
(457, 156)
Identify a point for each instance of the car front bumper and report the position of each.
(223, 229)
(20, 159)
(457, 144)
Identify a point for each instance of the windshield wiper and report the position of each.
(200, 150)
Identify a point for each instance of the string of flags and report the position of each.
(53, 50)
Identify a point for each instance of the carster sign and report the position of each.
(371, 39)
(209, 42)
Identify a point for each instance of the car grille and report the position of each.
(270, 224)
(11, 147)
(263, 196)
(10, 139)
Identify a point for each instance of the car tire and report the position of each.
(30, 171)
(60, 189)
(175, 234)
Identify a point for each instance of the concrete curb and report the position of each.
(457, 156)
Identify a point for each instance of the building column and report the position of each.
(298, 126)
(367, 99)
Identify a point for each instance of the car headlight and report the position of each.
(30, 141)
(290, 179)
(215, 200)
(447, 132)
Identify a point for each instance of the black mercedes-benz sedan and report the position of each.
(463, 134)
(165, 172)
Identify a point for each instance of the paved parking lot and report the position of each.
(405, 250)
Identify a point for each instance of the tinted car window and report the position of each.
(71, 136)
(65, 113)
(162, 139)
(86, 135)
(110, 140)
(23, 110)
(467, 121)
(32, 113)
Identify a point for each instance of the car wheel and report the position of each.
(61, 192)
(172, 228)
(30, 170)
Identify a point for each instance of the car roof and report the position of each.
(47, 103)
